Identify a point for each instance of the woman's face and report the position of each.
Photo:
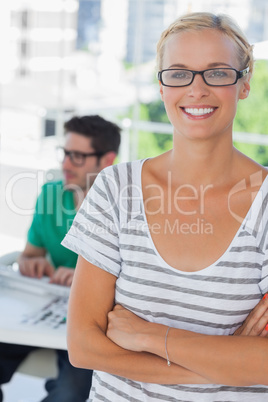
(216, 106)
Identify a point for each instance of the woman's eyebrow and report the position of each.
(210, 65)
(177, 65)
(219, 64)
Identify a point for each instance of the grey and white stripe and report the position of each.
(111, 231)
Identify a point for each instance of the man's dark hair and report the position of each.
(104, 135)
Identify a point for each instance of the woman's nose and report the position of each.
(198, 87)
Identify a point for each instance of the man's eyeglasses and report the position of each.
(215, 77)
(77, 158)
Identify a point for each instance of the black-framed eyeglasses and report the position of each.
(215, 77)
(77, 158)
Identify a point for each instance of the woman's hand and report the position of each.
(126, 329)
(256, 324)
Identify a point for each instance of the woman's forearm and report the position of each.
(89, 345)
(95, 351)
(230, 360)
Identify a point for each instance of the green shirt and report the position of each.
(54, 214)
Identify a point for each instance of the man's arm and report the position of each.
(32, 262)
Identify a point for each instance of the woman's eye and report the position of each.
(180, 75)
(218, 74)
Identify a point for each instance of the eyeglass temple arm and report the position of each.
(243, 72)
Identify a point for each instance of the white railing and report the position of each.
(165, 128)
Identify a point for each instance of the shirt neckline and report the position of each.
(209, 267)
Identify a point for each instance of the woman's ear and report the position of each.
(161, 89)
(245, 88)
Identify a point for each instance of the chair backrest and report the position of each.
(40, 363)
(9, 258)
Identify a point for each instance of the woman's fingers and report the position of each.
(256, 322)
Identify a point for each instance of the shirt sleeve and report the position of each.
(94, 232)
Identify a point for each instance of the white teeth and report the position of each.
(199, 112)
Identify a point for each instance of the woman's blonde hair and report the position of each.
(204, 20)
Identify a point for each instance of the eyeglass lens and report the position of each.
(76, 158)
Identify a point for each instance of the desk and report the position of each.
(19, 312)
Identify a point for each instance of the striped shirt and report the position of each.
(111, 231)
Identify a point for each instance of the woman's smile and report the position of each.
(199, 112)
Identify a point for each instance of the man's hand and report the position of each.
(33, 263)
(35, 267)
(256, 322)
(63, 276)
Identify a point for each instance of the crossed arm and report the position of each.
(116, 341)
(232, 360)
(33, 263)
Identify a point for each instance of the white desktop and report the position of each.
(32, 311)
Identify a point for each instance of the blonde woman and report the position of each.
(173, 249)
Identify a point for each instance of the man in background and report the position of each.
(91, 144)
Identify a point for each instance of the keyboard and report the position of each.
(14, 279)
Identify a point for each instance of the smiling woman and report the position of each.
(181, 258)
(209, 48)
